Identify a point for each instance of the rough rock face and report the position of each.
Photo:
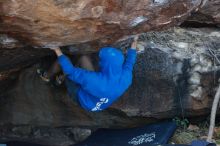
(209, 13)
(174, 76)
(175, 72)
(65, 22)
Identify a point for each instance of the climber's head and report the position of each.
(111, 60)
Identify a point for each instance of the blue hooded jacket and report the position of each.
(98, 90)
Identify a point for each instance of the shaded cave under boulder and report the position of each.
(175, 75)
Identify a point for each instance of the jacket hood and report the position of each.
(110, 60)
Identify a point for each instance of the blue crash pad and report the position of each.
(141, 136)
(202, 143)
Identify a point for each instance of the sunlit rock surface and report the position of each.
(64, 22)
(175, 75)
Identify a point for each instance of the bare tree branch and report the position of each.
(213, 115)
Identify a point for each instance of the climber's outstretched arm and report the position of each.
(57, 51)
(131, 56)
(72, 72)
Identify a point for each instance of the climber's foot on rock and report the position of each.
(43, 75)
(59, 79)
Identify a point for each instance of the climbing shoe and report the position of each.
(58, 80)
(43, 75)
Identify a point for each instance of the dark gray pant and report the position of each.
(72, 89)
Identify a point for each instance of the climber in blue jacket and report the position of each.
(96, 91)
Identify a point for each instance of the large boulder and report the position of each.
(175, 75)
(48, 23)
